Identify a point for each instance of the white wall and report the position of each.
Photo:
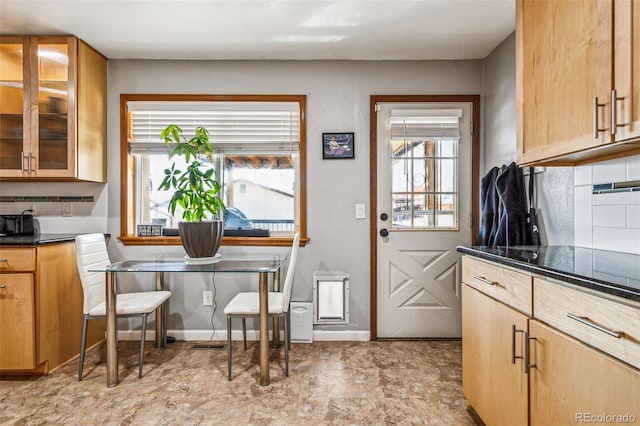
(555, 184)
(337, 100)
(608, 221)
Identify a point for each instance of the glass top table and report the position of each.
(161, 264)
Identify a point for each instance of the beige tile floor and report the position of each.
(342, 383)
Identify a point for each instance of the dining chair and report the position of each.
(91, 254)
(247, 304)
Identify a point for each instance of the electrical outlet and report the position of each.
(207, 298)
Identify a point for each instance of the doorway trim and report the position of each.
(373, 180)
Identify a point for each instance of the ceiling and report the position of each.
(270, 29)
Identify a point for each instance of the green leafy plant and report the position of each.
(196, 189)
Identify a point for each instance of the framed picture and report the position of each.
(337, 145)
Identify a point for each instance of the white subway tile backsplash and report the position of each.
(633, 167)
(609, 221)
(609, 216)
(582, 175)
(633, 216)
(583, 224)
(624, 240)
(610, 171)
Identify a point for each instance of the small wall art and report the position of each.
(337, 145)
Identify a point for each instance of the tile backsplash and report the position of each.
(608, 221)
(69, 207)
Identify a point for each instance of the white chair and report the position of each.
(91, 253)
(248, 305)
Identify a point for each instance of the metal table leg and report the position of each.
(276, 320)
(161, 329)
(264, 329)
(112, 330)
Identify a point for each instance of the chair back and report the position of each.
(91, 253)
(291, 271)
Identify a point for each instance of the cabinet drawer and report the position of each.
(590, 318)
(502, 283)
(14, 259)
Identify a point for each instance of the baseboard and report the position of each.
(252, 335)
(342, 335)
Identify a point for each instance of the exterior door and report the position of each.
(423, 213)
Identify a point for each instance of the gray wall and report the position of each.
(337, 100)
(555, 184)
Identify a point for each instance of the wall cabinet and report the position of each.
(53, 98)
(41, 308)
(546, 366)
(576, 98)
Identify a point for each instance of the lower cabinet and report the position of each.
(522, 366)
(41, 308)
(493, 378)
(572, 383)
(17, 322)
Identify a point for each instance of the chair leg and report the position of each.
(288, 319)
(142, 339)
(83, 343)
(244, 332)
(229, 347)
(287, 338)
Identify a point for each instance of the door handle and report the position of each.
(384, 232)
(384, 216)
(514, 330)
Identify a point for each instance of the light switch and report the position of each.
(360, 214)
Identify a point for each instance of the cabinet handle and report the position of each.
(3, 286)
(596, 127)
(4, 260)
(587, 321)
(526, 352)
(484, 280)
(30, 158)
(614, 111)
(22, 163)
(514, 330)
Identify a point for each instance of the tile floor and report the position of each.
(343, 383)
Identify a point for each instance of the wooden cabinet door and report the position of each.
(494, 386)
(14, 105)
(53, 88)
(572, 382)
(627, 69)
(563, 62)
(17, 319)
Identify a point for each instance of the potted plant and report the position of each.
(196, 191)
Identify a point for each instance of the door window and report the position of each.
(424, 169)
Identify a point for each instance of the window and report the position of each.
(259, 144)
(424, 162)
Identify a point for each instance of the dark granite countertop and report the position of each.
(610, 272)
(34, 240)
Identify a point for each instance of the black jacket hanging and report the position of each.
(513, 228)
(489, 213)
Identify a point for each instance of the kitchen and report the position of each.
(343, 104)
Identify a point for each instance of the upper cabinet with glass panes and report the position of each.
(53, 98)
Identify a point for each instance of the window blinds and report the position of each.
(418, 124)
(234, 127)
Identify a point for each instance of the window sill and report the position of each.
(281, 240)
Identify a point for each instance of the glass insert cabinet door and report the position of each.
(37, 82)
(12, 102)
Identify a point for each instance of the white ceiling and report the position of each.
(270, 29)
